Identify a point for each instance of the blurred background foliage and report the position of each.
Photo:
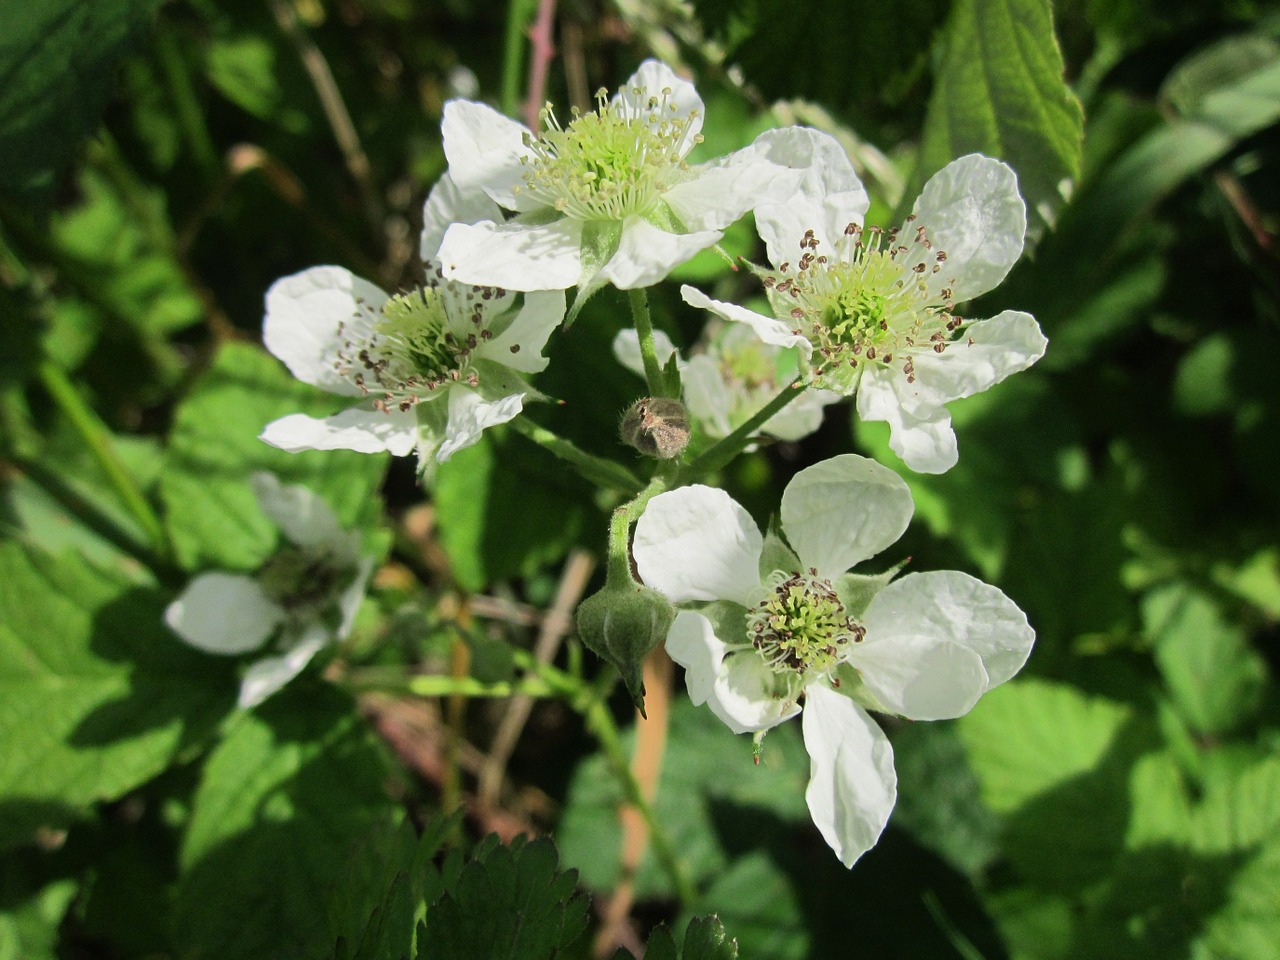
(161, 163)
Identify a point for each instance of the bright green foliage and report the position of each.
(704, 939)
(96, 695)
(29, 924)
(1000, 91)
(214, 519)
(507, 903)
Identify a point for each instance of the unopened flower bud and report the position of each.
(622, 624)
(657, 427)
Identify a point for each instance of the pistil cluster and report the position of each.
(610, 164)
(876, 297)
(305, 582)
(800, 626)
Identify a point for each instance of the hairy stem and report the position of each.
(596, 469)
(644, 332)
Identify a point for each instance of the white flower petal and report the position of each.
(801, 416)
(698, 543)
(743, 695)
(265, 677)
(971, 208)
(926, 444)
(650, 80)
(921, 677)
(311, 315)
(952, 607)
(692, 643)
(224, 613)
(626, 349)
(768, 329)
(514, 255)
(990, 351)
(447, 204)
(470, 414)
(844, 510)
(484, 148)
(302, 515)
(520, 345)
(707, 394)
(358, 429)
(647, 254)
(852, 783)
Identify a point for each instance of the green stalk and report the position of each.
(519, 15)
(596, 469)
(97, 438)
(644, 332)
(729, 447)
(600, 723)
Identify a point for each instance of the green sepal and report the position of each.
(776, 554)
(498, 381)
(728, 621)
(433, 420)
(622, 624)
(600, 241)
(671, 383)
(855, 590)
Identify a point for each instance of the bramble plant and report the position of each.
(423, 510)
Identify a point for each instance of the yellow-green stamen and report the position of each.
(800, 625)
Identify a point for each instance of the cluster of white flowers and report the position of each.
(765, 623)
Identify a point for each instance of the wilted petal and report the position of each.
(745, 695)
(697, 543)
(514, 255)
(484, 148)
(359, 429)
(971, 208)
(224, 613)
(313, 315)
(852, 783)
(947, 607)
(470, 414)
(842, 511)
(768, 329)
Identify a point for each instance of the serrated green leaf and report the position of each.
(96, 695)
(705, 939)
(1215, 677)
(507, 903)
(500, 516)
(57, 58)
(707, 793)
(213, 517)
(287, 803)
(1000, 91)
(755, 896)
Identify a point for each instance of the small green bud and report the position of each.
(657, 427)
(622, 624)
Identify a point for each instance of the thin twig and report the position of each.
(543, 48)
(335, 109)
(557, 622)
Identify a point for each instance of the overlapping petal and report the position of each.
(361, 429)
(470, 414)
(768, 329)
(268, 675)
(484, 150)
(514, 255)
(224, 613)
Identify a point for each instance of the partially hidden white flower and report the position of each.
(302, 598)
(429, 369)
(765, 624)
(874, 312)
(730, 377)
(608, 198)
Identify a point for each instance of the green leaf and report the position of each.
(505, 510)
(57, 59)
(289, 804)
(30, 918)
(98, 696)
(213, 516)
(705, 939)
(508, 903)
(708, 793)
(756, 897)
(1215, 677)
(1000, 91)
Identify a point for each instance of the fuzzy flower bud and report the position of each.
(657, 427)
(622, 624)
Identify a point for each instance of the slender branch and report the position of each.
(97, 438)
(729, 447)
(596, 469)
(543, 47)
(335, 110)
(644, 332)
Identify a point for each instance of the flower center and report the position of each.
(871, 297)
(801, 625)
(749, 363)
(304, 582)
(418, 343)
(609, 164)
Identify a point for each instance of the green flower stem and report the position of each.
(726, 449)
(186, 104)
(97, 438)
(440, 685)
(620, 528)
(600, 723)
(596, 469)
(519, 16)
(644, 332)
